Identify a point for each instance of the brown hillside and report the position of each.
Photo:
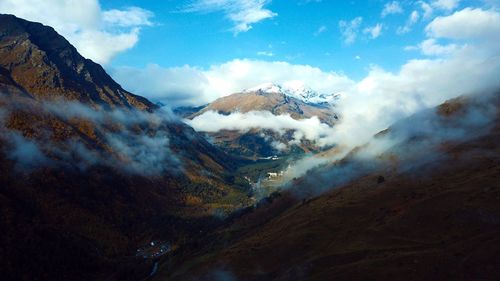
(437, 221)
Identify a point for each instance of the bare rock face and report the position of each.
(47, 66)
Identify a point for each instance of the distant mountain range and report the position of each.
(299, 103)
(299, 91)
(274, 99)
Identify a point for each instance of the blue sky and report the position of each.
(203, 39)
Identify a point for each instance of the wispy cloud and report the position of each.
(392, 8)
(447, 5)
(427, 9)
(265, 53)
(374, 31)
(412, 19)
(350, 29)
(132, 141)
(320, 30)
(243, 13)
(132, 16)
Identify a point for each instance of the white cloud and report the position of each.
(492, 3)
(414, 16)
(195, 86)
(305, 129)
(132, 16)
(243, 13)
(427, 9)
(430, 47)
(383, 97)
(97, 34)
(412, 20)
(320, 30)
(265, 53)
(173, 86)
(468, 23)
(101, 46)
(411, 48)
(374, 31)
(447, 5)
(392, 8)
(350, 29)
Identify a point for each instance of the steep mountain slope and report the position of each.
(8, 86)
(435, 217)
(267, 98)
(273, 100)
(47, 66)
(91, 172)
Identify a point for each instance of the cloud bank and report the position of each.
(129, 140)
(468, 66)
(189, 85)
(413, 145)
(304, 129)
(97, 34)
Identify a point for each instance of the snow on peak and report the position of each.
(296, 90)
(266, 88)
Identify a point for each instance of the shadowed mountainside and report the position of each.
(91, 172)
(436, 219)
(47, 66)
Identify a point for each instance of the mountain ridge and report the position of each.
(262, 143)
(295, 90)
(56, 67)
(91, 172)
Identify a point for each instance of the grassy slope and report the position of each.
(441, 222)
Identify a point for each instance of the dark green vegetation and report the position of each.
(260, 168)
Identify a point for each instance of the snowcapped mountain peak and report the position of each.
(295, 89)
(266, 88)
